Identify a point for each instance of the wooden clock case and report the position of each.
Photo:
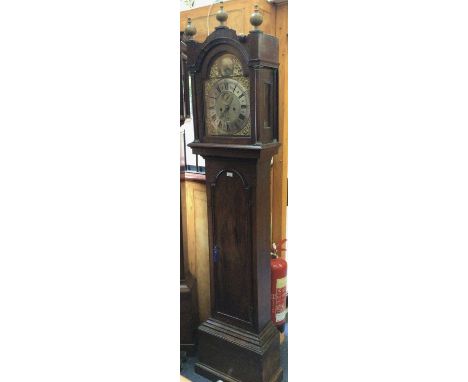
(239, 343)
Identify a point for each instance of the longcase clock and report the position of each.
(235, 103)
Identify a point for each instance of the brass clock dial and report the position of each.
(227, 105)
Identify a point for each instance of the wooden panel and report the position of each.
(195, 228)
(235, 21)
(280, 163)
(239, 12)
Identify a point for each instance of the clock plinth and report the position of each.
(231, 354)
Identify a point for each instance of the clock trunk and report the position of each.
(232, 245)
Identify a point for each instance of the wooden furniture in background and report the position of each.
(195, 228)
(188, 303)
(280, 162)
(188, 284)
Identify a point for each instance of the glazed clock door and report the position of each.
(232, 258)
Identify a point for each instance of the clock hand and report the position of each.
(228, 98)
(226, 109)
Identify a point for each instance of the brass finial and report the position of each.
(256, 18)
(221, 15)
(190, 29)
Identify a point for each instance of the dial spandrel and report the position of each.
(227, 108)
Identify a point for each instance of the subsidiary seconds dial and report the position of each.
(227, 106)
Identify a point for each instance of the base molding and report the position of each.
(231, 354)
(214, 375)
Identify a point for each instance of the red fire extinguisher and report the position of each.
(279, 269)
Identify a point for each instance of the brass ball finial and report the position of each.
(190, 29)
(256, 18)
(221, 15)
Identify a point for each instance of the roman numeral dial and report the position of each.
(227, 106)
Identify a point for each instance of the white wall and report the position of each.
(190, 4)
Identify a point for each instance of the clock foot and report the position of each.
(231, 354)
